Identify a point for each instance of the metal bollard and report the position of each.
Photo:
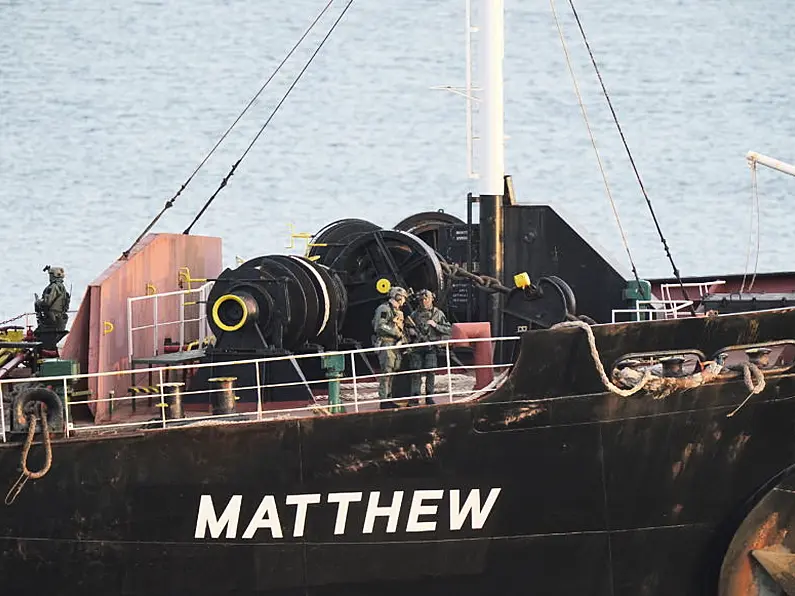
(172, 395)
(672, 366)
(334, 366)
(223, 398)
(759, 356)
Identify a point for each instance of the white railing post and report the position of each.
(355, 388)
(2, 414)
(449, 372)
(66, 407)
(259, 391)
(181, 321)
(162, 397)
(130, 335)
(204, 330)
(154, 322)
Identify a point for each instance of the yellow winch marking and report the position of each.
(383, 285)
(217, 319)
(522, 280)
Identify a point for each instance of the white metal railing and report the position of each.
(652, 310)
(191, 297)
(702, 287)
(668, 307)
(355, 390)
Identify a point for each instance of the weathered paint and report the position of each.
(598, 495)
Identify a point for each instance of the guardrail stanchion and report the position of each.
(355, 386)
(66, 407)
(162, 397)
(2, 414)
(259, 391)
(449, 371)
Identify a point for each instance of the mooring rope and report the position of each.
(647, 376)
(26, 474)
(754, 381)
(753, 377)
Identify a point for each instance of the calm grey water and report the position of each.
(106, 106)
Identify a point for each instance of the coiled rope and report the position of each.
(26, 474)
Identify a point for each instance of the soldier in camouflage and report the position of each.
(53, 306)
(431, 325)
(389, 331)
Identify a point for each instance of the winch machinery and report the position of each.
(326, 299)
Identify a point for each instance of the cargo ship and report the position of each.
(209, 430)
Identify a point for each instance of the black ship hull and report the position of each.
(549, 485)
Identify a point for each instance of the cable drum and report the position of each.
(428, 225)
(242, 306)
(321, 290)
(398, 257)
(326, 245)
(279, 302)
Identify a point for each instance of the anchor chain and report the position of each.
(483, 282)
(26, 474)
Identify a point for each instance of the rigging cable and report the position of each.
(756, 258)
(170, 203)
(754, 204)
(593, 142)
(631, 159)
(273, 113)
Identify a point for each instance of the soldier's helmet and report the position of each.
(423, 293)
(57, 273)
(398, 292)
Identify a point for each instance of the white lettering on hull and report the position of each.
(344, 500)
(422, 516)
(207, 520)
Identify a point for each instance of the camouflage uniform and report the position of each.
(388, 328)
(52, 307)
(425, 357)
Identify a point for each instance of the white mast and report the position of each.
(492, 153)
(492, 131)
